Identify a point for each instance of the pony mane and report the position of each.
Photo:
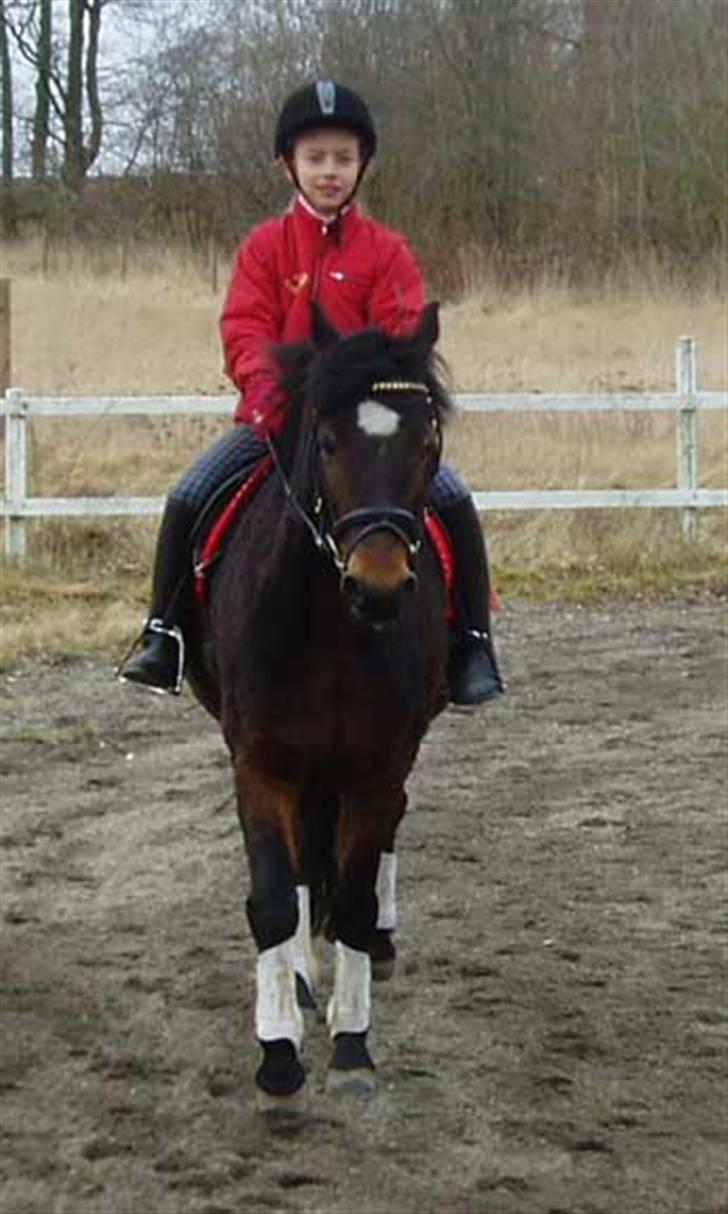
(340, 373)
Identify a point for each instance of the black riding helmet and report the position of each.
(324, 103)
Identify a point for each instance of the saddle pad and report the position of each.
(213, 543)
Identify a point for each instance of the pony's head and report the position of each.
(367, 416)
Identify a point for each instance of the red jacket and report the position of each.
(361, 273)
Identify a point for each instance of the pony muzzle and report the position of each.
(378, 578)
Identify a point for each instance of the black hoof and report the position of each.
(351, 1068)
(280, 1078)
(383, 955)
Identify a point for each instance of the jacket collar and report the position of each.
(347, 217)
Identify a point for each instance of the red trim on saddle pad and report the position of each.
(442, 544)
(212, 544)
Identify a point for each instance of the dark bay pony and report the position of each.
(323, 654)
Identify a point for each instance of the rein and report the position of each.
(402, 523)
(323, 540)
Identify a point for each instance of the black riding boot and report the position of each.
(473, 672)
(158, 658)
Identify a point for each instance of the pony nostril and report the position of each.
(410, 583)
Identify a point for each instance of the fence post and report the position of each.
(16, 470)
(687, 430)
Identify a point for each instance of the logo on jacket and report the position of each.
(296, 282)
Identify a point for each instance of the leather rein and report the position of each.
(404, 524)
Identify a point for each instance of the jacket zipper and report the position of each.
(342, 276)
(319, 264)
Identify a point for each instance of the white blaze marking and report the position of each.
(277, 1013)
(386, 891)
(349, 1009)
(377, 420)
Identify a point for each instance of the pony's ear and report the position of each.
(324, 333)
(418, 347)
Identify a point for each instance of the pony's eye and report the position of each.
(327, 446)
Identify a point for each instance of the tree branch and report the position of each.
(92, 149)
(31, 56)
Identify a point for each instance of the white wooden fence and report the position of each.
(16, 506)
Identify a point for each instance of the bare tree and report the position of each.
(80, 151)
(6, 90)
(574, 133)
(41, 117)
(66, 94)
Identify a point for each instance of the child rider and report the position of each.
(362, 274)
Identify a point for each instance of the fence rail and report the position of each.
(18, 407)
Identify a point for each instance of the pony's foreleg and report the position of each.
(269, 814)
(387, 891)
(304, 959)
(381, 948)
(362, 833)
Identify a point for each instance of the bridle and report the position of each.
(325, 531)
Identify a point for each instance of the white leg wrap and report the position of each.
(387, 891)
(277, 1013)
(304, 961)
(349, 1009)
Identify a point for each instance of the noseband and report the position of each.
(403, 524)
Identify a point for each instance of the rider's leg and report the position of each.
(474, 675)
(159, 662)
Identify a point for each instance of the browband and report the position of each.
(401, 385)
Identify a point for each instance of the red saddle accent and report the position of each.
(441, 542)
(222, 524)
(443, 545)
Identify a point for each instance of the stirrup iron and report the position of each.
(175, 633)
(157, 626)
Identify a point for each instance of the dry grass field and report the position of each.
(84, 328)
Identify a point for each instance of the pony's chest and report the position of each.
(339, 693)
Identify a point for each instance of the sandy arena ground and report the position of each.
(553, 1041)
